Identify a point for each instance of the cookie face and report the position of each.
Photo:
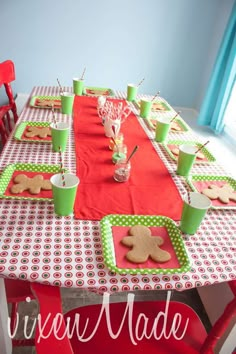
(224, 193)
(144, 245)
(40, 132)
(32, 185)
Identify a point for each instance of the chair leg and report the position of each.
(14, 111)
(30, 342)
(13, 316)
(9, 121)
(3, 132)
(23, 342)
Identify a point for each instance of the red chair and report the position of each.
(7, 75)
(17, 291)
(183, 318)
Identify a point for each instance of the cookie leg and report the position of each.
(135, 257)
(160, 256)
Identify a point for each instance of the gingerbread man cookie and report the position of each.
(199, 155)
(33, 185)
(175, 126)
(157, 107)
(98, 92)
(36, 131)
(224, 193)
(144, 245)
(45, 103)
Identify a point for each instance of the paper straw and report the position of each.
(175, 116)
(188, 196)
(53, 117)
(61, 168)
(157, 94)
(140, 82)
(201, 147)
(59, 85)
(82, 76)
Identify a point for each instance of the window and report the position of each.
(230, 117)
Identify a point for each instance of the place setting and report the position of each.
(143, 244)
(219, 189)
(32, 181)
(45, 102)
(202, 156)
(148, 107)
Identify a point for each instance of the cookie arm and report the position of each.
(128, 240)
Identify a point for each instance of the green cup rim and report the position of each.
(203, 198)
(74, 183)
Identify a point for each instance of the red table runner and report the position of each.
(150, 189)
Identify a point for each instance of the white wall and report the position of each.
(172, 43)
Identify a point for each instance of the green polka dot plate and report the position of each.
(98, 91)
(45, 102)
(205, 156)
(157, 106)
(115, 227)
(200, 182)
(29, 170)
(178, 125)
(21, 129)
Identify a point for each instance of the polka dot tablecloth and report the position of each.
(36, 245)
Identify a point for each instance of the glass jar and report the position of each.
(122, 171)
(119, 139)
(119, 153)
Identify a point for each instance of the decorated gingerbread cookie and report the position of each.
(224, 193)
(33, 185)
(36, 131)
(144, 245)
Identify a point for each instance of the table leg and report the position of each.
(5, 340)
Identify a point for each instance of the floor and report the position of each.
(225, 153)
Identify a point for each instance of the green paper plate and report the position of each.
(98, 91)
(165, 106)
(24, 167)
(205, 151)
(21, 128)
(150, 221)
(184, 126)
(201, 178)
(42, 98)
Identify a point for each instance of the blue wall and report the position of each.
(172, 43)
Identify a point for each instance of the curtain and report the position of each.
(222, 80)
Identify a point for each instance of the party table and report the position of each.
(37, 245)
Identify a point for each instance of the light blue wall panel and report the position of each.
(172, 43)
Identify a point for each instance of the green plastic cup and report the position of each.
(78, 86)
(145, 108)
(60, 132)
(131, 92)
(162, 129)
(194, 209)
(64, 196)
(67, 101)
(187, 156)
